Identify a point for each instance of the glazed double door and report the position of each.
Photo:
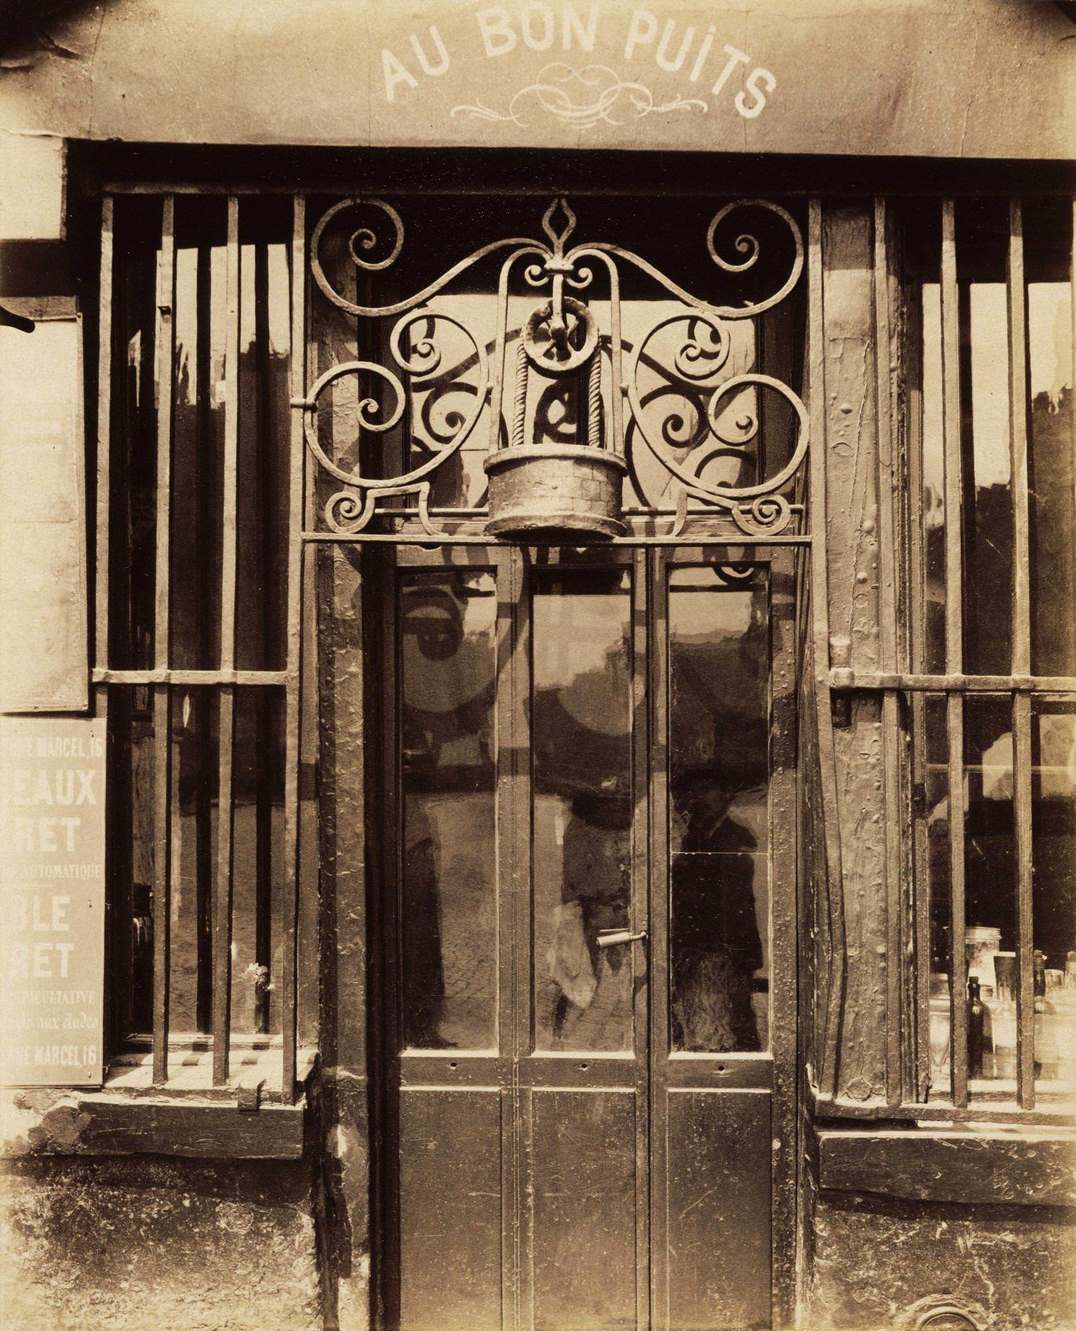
(588, 939)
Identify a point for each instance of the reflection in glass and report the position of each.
(133, 448)
(1051, 461)
(719, 809)
(990, 876)
(195, 776)
(982, 243)
(264, 423)
(447, 626)
(132, 855)
(935, 780)
(258, 859)
(201, 315)
(933, 483)
(1053, 853)
(581, 728)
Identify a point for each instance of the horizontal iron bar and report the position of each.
(423, 538)
(107, 675)
(856, 679)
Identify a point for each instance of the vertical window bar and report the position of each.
(954, 646)
(958, 978)
(1017, 315)
(1017, 311)
(114, 936)
(954, 555)
(164, 342)
(104, 430)
(888, 644)
(1025, 998)
(162, 875)
(222, 892)
(294, 648)
(222, 896)
(231, 442)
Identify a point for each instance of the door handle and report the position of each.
(611, 937)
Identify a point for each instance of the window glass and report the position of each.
(719, 809)
(257, 860)
(982, 240)
(197, 517)
(195, 762)
(447, 645)
(1051, 458)
(1053, 831)
(990, 881)
(581, 742)
(132, 519)
(264, 434)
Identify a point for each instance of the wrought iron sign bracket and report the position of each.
(541, 488)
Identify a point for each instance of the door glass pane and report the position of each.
(718, 809)
(581, 730)
(1053, 855)
(447, 757)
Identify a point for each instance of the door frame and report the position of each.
(515, 876)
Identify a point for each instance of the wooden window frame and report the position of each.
(899, 685)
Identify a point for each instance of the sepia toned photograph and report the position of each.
(537, 665)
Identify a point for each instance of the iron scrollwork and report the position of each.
(688, 348)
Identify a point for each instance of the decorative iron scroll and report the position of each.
(682, 422)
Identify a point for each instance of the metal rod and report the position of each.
(231, 444)
(955, 683)
(162, 877)
(921, 871)
(164, 343)
(222, 892)
(958, 979)
(519, 397)
(954, 553)
(594, 399)
(1017, 316)
(891, 741)
(659, 961)
(104, 431)
(452, 538)
(1022, 814)
(242, 678)
(293, 710)
(640, 897)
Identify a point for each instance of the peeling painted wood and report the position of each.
(827, 893)
(1034, 1168)
(854, 603)
(104, 1124)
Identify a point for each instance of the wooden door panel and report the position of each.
(582, 1188)
(450, 1209)
(584, 1134)
(717, 1199)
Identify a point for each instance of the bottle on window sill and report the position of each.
(975, 1029)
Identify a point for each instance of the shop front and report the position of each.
(539, 680)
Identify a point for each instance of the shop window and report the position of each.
(192, 665)
(990, 716)
(276, 386)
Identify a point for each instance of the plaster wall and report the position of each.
(876, 1257)
(122, 1244)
